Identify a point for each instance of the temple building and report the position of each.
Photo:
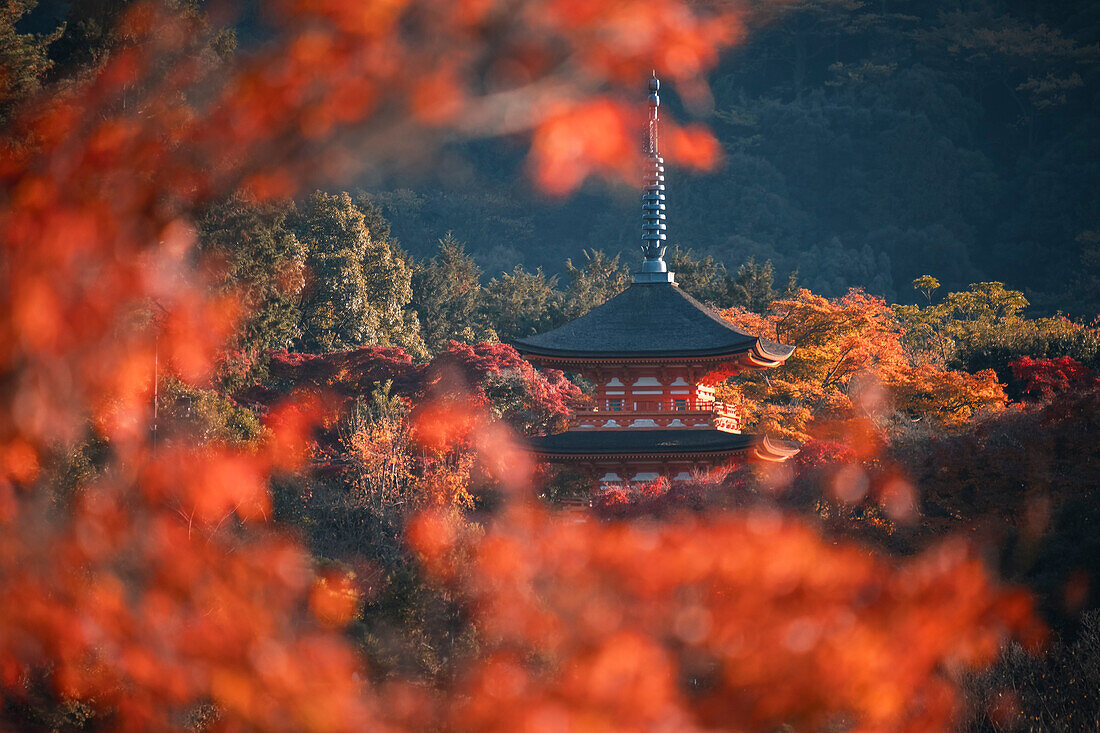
(655, 355)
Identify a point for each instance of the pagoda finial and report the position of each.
(654, 268)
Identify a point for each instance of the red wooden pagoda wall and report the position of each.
(651, 398)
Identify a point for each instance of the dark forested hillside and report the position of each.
(867, 143)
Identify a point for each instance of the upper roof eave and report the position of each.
(751, 348)
(654, 321)
(667, 443)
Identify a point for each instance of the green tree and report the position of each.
(597, 280)
(522, 303)
(867, 143)
(449, 298)
(359, 290)
(1039, 64)
(702, 277)
(187, 413)
(985, 303)
(377, 224)
(264, 264)
(983, 327)
(753, 288)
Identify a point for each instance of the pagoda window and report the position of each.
(680, 404)
(615, 405)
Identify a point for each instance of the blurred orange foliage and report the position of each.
(731, 623)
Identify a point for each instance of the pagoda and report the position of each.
(655, 355)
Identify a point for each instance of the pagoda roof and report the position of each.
(626, 442)
(655, 320)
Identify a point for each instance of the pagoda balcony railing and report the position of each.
(612, 408)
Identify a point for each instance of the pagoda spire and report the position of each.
(654, 268)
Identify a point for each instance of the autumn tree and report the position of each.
(710, 637)
(1053, 691)
(367, 477)
(344, 375)
(164, 552)
(1027, 478)
(951, 396)
(926, 285)
(843, 347)
(529, 399)
(1043, 379)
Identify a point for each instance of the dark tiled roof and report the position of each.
(649, 319)
(623, 441)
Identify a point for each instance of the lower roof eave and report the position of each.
(666, 456)
(758, 359)
(761, 447)
(776, 451)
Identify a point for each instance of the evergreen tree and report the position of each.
(704, 278)
(448, 297)
(754, 286)
(377, 224)
(523, 303)
(359, 288)
(264, 264)
(599, 279)
(1083, 293)
(388, 273)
